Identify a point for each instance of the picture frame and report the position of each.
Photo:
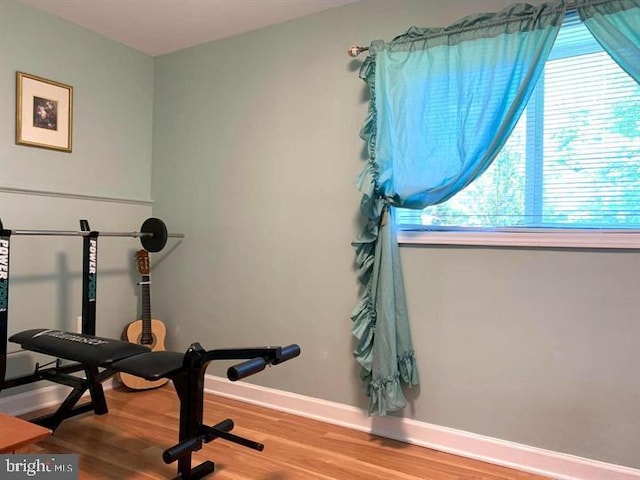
(44, 113)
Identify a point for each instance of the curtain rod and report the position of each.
(355, 50)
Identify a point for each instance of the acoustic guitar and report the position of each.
(147, 331)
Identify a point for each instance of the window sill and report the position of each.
(546, 239)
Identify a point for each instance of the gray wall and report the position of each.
(255, 151)
(112, 130)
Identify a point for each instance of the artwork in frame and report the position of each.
(44, 113)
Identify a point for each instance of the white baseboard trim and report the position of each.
(555, 465)
(37, 399)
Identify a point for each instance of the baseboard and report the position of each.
(49, 396)
(555, 465)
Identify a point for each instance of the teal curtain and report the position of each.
(616, 26)
(443, 102)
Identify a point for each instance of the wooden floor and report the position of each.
(127, 443)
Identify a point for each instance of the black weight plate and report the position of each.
(158, 238)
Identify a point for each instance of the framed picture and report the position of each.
(44, 113)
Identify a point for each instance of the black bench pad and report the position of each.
(151, 365)
(95, 351)
(86, 349)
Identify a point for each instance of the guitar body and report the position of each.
(148, 331)
(133, 333)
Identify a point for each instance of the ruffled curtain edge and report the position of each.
(385, 393)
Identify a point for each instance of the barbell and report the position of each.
(153, 233)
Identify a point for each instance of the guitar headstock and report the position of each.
(142, 262)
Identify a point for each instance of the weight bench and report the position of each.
(101, 358)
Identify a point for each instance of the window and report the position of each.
(569, 174)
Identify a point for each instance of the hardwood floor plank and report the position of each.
(128, 442)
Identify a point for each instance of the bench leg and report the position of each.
(69, 407)
(201, 471)
(96, 391)
(53, 421)
(189, 385)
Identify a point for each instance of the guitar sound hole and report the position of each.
(146, 344)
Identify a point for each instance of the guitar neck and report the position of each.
(145, 285)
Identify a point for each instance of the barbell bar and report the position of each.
(153, 233)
